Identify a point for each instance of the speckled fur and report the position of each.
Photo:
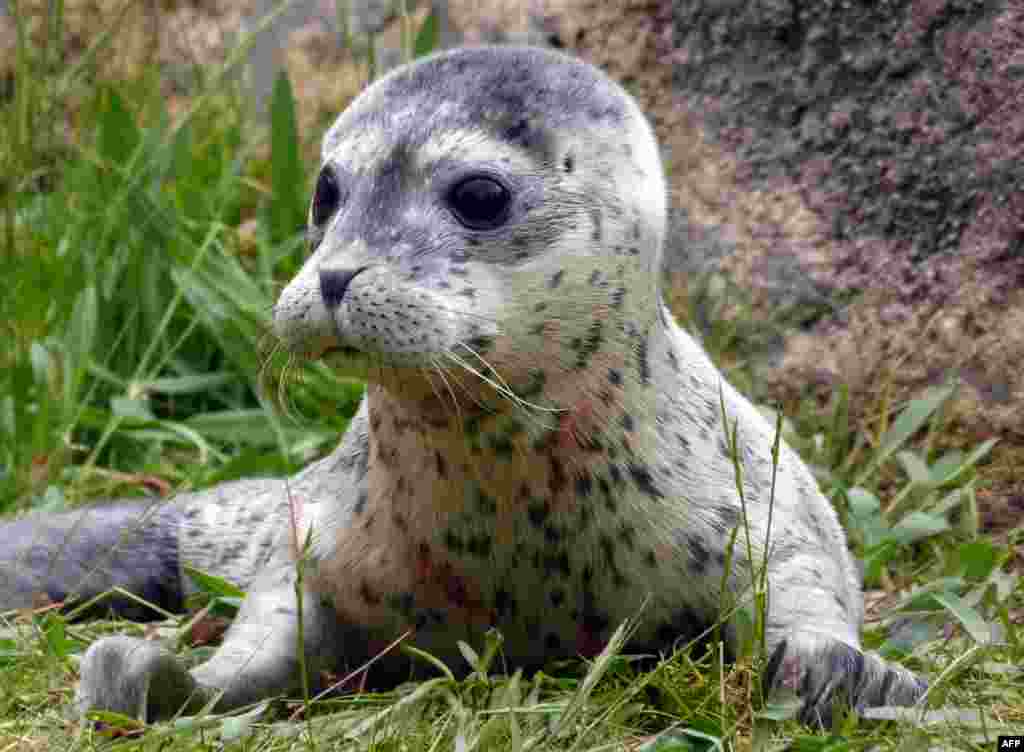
(541, 448)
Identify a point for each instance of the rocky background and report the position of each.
(854, 170)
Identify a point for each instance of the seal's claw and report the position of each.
(136, 678)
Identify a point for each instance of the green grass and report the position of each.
(135, 353)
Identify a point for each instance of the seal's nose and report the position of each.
(334, 283)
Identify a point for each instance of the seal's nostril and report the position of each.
(334, 283)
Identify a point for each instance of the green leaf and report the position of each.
(118, 134)
(971, 620)
(212, 584)
(287, 204)
(470, 655)
(58, 642)
(428, 37)
(917, 526)
(863, 503)
(251, 426)
(976, 455)
(80, 339)
(915, 468)
(909, 422)
(192, 384)
(123, 407)
(979, 558)
(236, 727)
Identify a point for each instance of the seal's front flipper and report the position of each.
(258, 659)
(827, 673)
(137, 678)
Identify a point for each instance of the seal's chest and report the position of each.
(549, 597)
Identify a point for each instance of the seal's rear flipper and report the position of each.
(78, 555)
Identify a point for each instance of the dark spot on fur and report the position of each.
(558, 479)
(485, 504)
(615, 377)
(616, 474)
(556, 279)
(405, 602)
(650, 558)
(456, 591)
(362, 462)
(618, 295)
(501, 445)
(453, 543)
(537, 512)
(584, 484)
(540, 307)
(442, 466)
(643, 366)
(568, 163)
(367, 594)
(729, 515)
(673, 360)
(628, 424)
(535, 386)
(588, 574)
(698, 553)
(361, 499)
(557, 563)
(479, 546)
(504, 604)
(591, 343)
(642, 477)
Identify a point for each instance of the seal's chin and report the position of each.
(352, 361)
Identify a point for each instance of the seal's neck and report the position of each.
(470, 451)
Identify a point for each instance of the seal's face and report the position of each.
(463, 216)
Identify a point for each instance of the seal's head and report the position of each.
(480, 208)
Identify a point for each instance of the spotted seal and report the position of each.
(541, 448)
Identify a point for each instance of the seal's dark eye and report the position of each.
(326, 197)
(480, 203)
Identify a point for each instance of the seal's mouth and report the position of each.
(321, 347)
(345, 352)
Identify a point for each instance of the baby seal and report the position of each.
(541, 448)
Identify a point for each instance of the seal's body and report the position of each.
(541, 448)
